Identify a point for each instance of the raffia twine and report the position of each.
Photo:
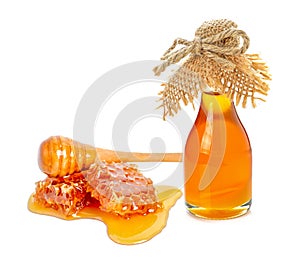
(216, 62)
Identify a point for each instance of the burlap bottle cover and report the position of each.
(216, 61)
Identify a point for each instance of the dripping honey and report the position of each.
(217, 161)
(136, 229)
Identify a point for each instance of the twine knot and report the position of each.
(216, 39)
(197, 42)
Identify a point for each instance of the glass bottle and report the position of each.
(218, 161)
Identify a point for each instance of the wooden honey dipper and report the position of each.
(59, 156)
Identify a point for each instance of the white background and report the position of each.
(52, 51)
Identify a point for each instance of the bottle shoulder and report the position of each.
(219, 129)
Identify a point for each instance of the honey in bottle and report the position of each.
(217, 161)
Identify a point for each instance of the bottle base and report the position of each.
(209, 213)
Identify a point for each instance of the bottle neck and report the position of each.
(216, 103)
(217, 106)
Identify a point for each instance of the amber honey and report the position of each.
(217, 162)
(135, 229)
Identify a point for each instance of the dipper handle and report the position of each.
(59, 156)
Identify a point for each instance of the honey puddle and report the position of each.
(134, 230)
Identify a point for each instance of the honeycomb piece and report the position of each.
(66, 194)
(121, 189)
